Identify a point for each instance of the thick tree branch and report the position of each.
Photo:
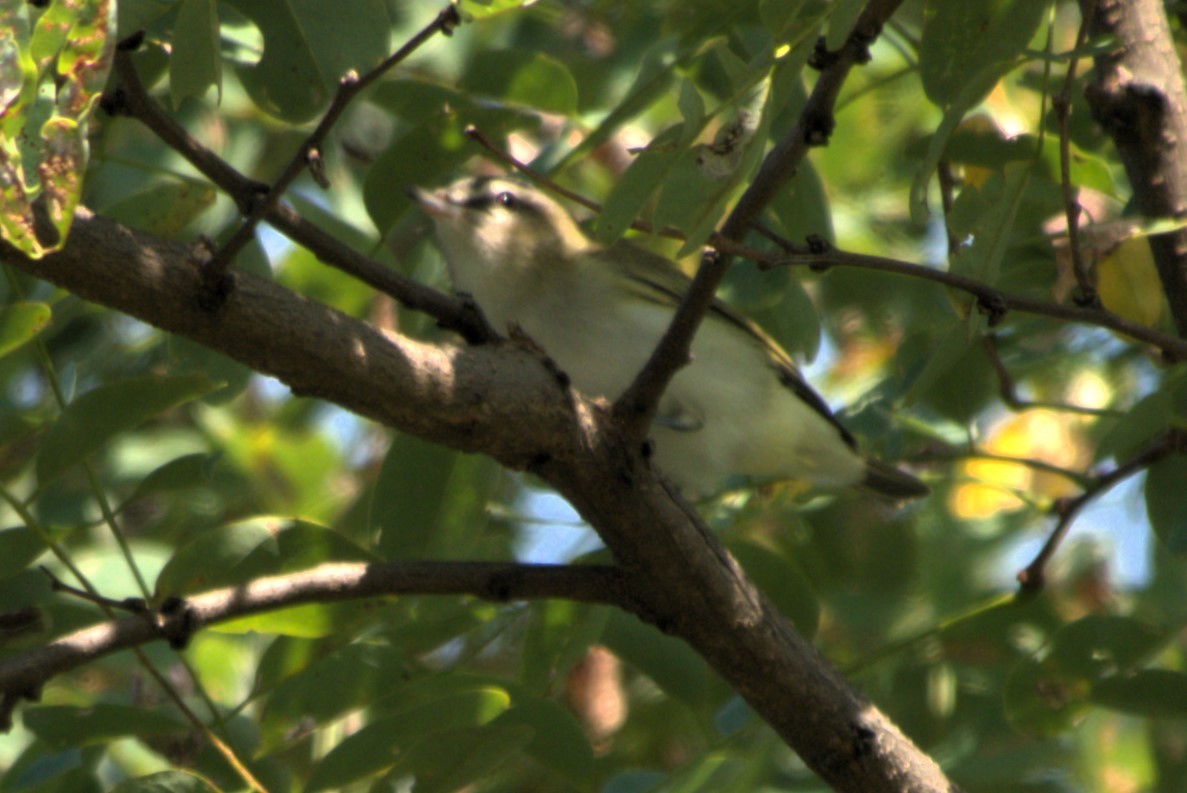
(502, 401)
(24, 674)
(1138, 96)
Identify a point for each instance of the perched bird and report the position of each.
(740, 407)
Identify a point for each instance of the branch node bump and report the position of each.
(822, 57)
(994, 306)
(177, 622)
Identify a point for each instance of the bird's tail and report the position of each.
(886, 480)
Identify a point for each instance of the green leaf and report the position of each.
(249, 549)
(557, 739)
(446, 761)
(656, 73)
(95, 417)
(1041, 700)
(429, 500)
(954, 113)
(165, 782)
(637, 185)
(20, 322)
(65, 725)
(522, 77)
(165, 208)
(182, 473)
(75, 38)
(347, 679)
(842, 16)
(992, 233)
(668, 661)
(1097, 645)
(485, 9)
(1166, 502)
(389, 740)
(964, 41)
(18, 548)
(308, 49)
(195, 63)
(1140, 424)
(1153, 693)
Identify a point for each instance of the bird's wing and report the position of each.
(659, 280)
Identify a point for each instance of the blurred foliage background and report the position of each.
(215, 475)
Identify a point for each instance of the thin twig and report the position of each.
(1062, 105)
(495, 581)
(1032, 578)
(1009, 388)
(947, 191)
(450, 312)
(956, 454)
(990, 299)
(309, 153)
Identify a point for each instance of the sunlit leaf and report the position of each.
(484, 9)
(20, 322)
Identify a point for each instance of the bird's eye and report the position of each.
(508, 200)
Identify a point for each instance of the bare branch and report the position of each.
(1032, 578)
(27, 672)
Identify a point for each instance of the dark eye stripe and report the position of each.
(481, 202)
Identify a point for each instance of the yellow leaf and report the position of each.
(1127, 281)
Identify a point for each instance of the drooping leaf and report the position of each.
(195, 63)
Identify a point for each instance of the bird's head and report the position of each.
(495, 222)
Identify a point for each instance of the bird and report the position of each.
(739, 409)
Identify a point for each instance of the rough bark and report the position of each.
(1138, 96)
